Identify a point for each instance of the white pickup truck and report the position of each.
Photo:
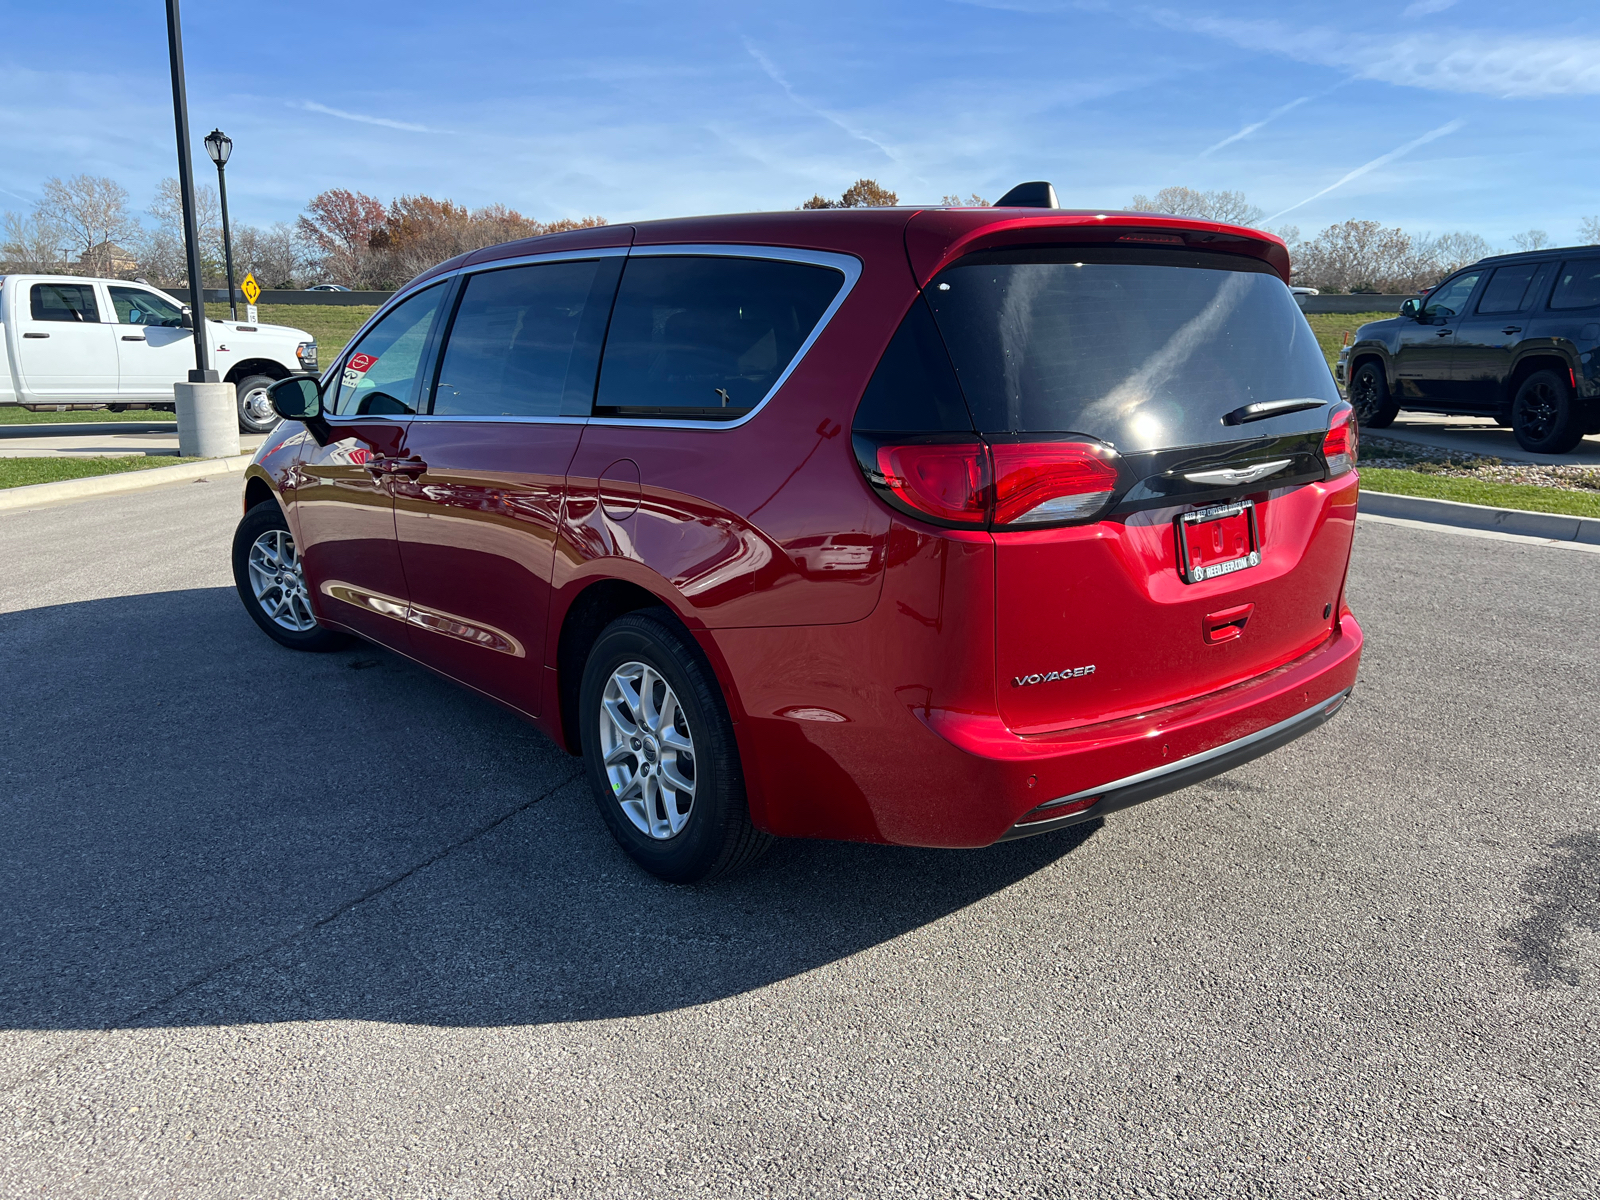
(70, 342)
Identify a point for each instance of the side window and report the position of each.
(64, 302)
(1451, 297)
(707, 337)
(1578, 285)
(381, 374)
(525, 341)
(136, 306)
(1506, 287)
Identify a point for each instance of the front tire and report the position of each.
(1369, 396)
(1545, 416)
(659, 748)
(267, 572)
(256, 414)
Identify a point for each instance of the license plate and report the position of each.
(1218, 541)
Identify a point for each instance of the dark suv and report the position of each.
(1511, 337)
(924, 526)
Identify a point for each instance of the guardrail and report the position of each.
(1359, 303)
(220, 296)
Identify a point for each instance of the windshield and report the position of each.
(1145, 349)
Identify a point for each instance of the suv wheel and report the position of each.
(660, 752)
(1369, 396)
(256, 414)
(266, 570)
(1544, 416)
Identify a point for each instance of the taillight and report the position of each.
(1006, 484)
(1339, 443)
(1039, 482)
(946, 480)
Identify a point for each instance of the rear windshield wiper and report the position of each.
(1268, 408)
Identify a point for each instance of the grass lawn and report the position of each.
(1330, 329)
(1526, 496)
(332, 325)
(21, 416)
(17, 472)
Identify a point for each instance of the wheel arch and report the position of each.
(1536, 360)
(269, 367)
(1361, 356)
(256, 488)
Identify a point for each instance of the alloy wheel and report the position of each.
(1540, 409)
(648, 750)
(279, 583)
(1364, 396)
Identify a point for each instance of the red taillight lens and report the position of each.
(1041, 482)
(945, 480)
(1339, 443)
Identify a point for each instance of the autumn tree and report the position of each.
(863, 193)
(338, 224)
(419, 232)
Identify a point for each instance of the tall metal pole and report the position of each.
(227, 239)
(191, 239)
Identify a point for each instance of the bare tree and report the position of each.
(91, 215)
(863, 193)
(272, 255)
(1230, 208)
(1589, 230)
(162, 256)
(31, 243)
(972, 201)
(1364, 256)
(1534, 239)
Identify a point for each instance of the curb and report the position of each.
(1556, 527)
(34, 494)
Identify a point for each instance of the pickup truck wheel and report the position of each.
(659, 746)
(1544, 416)
(1369, 396)
(267, 572)
(255, 407)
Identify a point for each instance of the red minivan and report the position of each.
(933, 527)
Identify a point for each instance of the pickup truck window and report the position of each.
(135, 306)
(64, 302)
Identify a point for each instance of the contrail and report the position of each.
(777, 77)
(1249, 129)
(1374, 165)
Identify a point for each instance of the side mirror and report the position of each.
(299, 398)
(1410, 308)
(186, 321)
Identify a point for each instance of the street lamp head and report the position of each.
(219, 145)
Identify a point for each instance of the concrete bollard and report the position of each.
(208, 420)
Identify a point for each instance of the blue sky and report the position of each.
(636, 110)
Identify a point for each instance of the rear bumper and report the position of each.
(1093, 803)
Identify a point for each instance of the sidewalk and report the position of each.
(108, 440)
(1480, 435)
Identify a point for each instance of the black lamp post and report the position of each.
(219, 145)
(191, 241)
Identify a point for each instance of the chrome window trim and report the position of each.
(847, 265)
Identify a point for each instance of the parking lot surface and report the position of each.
(281, 924)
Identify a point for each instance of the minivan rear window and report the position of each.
(707, 337)
(1145, 349)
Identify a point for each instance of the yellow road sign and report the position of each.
(251, 289)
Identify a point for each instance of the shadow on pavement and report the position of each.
(203, 828)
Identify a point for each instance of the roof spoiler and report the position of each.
(1038, 194)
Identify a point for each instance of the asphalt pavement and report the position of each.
(279, 924)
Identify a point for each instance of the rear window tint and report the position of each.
(914, 388)
(707, 337)
(1144, 349)
(525, 341)
(1578, 285)
(64, 302)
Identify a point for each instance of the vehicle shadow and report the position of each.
(203, 828)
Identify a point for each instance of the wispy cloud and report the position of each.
(777, 77)
(1381, 160)
(1251, 128)
(386, 122)
(1421, 8)
(1472, 62)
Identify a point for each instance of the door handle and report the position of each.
(1445, 332)
(410, 467)
(1226, 625)
(133, 337)
(39, 335)
(1512, 329)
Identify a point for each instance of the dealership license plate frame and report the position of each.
(1190, 522)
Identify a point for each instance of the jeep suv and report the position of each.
(933, 527)
(1511, 337)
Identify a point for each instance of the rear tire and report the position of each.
(659, 748)
(1369, 396)
(266, 570)
(1545, 415)
(256, 414)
